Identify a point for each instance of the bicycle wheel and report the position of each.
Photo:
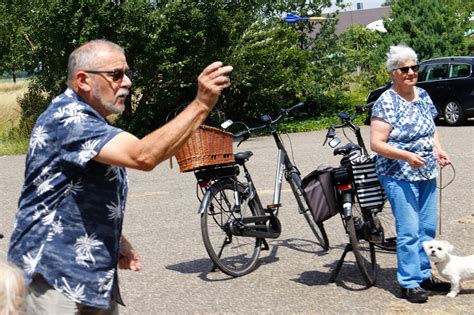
(385, 220)
(318, 230)
(234, 255)
(364, 251)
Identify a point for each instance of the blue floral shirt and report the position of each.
(71, 208)
(413, 130)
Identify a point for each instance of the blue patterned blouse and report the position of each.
(71, 208)
(413, 130)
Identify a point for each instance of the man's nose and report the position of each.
(126, 81)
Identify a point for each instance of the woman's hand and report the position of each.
(129, 258)
(414, 160)
(442, 158)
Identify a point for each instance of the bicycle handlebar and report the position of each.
(348, 118)
(363, 108)
(268, 123)
(347, 121)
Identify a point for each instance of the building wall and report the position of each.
(364, 17)
(354, 4)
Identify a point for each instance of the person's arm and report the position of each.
(441, 155)
(379, 133)
(144, 154)
(129, 258)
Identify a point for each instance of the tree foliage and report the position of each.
(361, 49)
(431, 28)
(168, 43)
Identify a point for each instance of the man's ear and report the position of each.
(83, 81)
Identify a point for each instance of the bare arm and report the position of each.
(144, 154)
(379, 132)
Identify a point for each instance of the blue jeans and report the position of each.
(414, 207)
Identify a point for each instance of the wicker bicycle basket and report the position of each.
(207, 146)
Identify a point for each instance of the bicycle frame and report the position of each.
(284, 168)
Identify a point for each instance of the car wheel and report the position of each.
(453, 114)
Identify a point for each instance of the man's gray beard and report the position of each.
(109, 106)
(114, 109)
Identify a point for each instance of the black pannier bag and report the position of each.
(319, 190)
(370, 192)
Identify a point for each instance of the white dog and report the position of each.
(453, 268)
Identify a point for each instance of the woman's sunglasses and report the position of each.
(406, 69)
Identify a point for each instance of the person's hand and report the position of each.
(211, 82)
(414, 160)
(129, 258)
(442, 158)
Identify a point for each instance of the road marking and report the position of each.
(467, 220)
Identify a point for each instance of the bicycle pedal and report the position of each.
(272, 207)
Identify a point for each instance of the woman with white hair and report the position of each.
(404, 135)
(12, 288)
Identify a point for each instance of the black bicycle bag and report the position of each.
(319, 189)
(370, 192)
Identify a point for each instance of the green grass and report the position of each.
(12, 147)
(12, 141)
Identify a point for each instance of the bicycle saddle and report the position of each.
(242, 157)
(346, 149)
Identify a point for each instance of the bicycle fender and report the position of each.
(204, 202)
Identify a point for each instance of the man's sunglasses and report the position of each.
(116, 75)
(406, 69)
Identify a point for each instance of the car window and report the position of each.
(460, 70)
(436, 72)
(422, 73)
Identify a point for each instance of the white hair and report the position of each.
(12, 288)
(398, 55)
(85, 56)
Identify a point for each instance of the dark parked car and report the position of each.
(450, 83)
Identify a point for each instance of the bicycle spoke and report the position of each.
(364, 251)
(234, 255)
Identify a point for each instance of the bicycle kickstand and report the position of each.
(338, 267)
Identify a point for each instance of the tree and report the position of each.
(13, 38)
(431, 28)
(360, 47)
(168, 43)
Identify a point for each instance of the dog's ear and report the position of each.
(449, 247)
(426, 245)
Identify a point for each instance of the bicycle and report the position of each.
(360, 199)
(234, 224)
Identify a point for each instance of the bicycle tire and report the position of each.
(386, 221)
(364, 251)
(233, 255)
(318, 230)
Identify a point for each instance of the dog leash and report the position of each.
(440, 201)
(441, 187)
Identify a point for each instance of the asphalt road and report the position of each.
(162, 223)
